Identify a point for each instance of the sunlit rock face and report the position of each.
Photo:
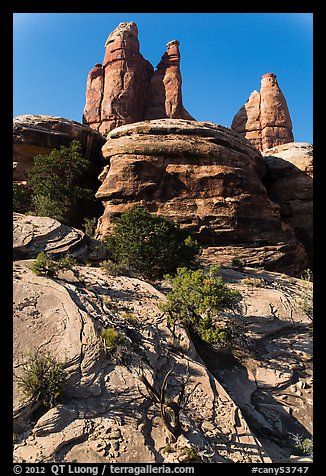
(125, 88)
(205, 177)
(265, 119)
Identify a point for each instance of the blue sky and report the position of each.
(223, 56)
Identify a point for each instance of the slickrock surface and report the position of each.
(125, 88)
(33, 135)
(105, 414)
(272, 379)
(265, 119)
(33, 234)
(208, 179)
(289, 182)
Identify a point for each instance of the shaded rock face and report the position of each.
(39, 135)
(272, 379)
(205, 177)
(33, 135)
(289, 182)
(265, 119)
(125, 89)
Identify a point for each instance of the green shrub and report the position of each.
(150, 244)
(45, 266)
(54, 182)
(42, 378)
(307, 293)
(197, 301)
(238, 264)
(115, 269)
(115, 345)
(90, 226)
(21, 199)
(302, 446)
(45, 206)
(255, 282)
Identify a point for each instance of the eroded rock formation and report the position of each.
(33, 234)
(33, 135)
(106, 414)
(289, 182)
(125, 88)
(117, 90)
(208, 179)
(265, 119)
(164, 95)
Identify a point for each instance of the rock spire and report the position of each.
(265, 119)
(164, 94)
(125, 88)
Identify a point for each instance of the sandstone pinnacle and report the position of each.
(265, 119)
(125, 88)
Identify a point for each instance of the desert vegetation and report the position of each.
(54, 187)
(46, 266)
(42, 378)
(197, 301)
(150, 244)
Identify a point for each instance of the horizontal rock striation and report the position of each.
(205, 177)
(34, 234)
(265, 119)
(289, 182)
(34, 135)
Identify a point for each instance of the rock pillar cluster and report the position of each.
(125, 88)
(265, 119)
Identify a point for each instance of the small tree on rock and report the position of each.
(54, 182)
(197, 301)
(151, 244)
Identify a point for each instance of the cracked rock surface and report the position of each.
(241, 405)
(105, 413)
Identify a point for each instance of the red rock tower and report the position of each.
(164, 94)
(116, 91)
(265, 119)
(125, 88)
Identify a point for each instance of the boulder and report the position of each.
(33, 234)
(265, 119)
(205, 177)
(289, 183)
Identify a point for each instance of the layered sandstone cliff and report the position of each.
(289, 182)
(208, 179)
(125, 88)
(36, 134)
(265, 119)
